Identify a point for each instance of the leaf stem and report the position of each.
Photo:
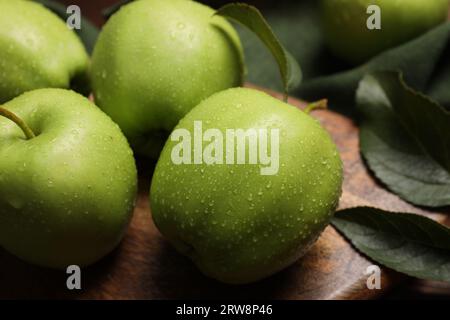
(321, 104)
(29, 134)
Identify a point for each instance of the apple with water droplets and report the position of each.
(68, 179)
(156, 60)
(38, 50)
(245, 185)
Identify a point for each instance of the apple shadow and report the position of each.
(176, 277)
(21, 280)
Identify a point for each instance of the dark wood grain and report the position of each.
(144, 266)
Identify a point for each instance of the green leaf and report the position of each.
(405, 139)
(88, 32)
(408, 243)
(420, 61)
(424, 61)
(251, 18)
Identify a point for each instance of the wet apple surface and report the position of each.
(347, 33)
(156, 60)
(66, 193)
(241, 221)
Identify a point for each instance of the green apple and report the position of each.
(347, 35)
(67, 179)
(238, 220)
(37, 50)
(155, 60)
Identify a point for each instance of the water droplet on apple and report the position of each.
(16, 203)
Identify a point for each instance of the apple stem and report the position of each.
(29, 134)
(321, 104)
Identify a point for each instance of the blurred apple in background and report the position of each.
(347, 35)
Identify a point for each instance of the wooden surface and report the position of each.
(144, 266)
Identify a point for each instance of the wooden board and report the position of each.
(144, 266)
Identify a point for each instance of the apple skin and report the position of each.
(347, 35)
(67, 195)
(156, 60)
(37, 50)
(237, 225)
